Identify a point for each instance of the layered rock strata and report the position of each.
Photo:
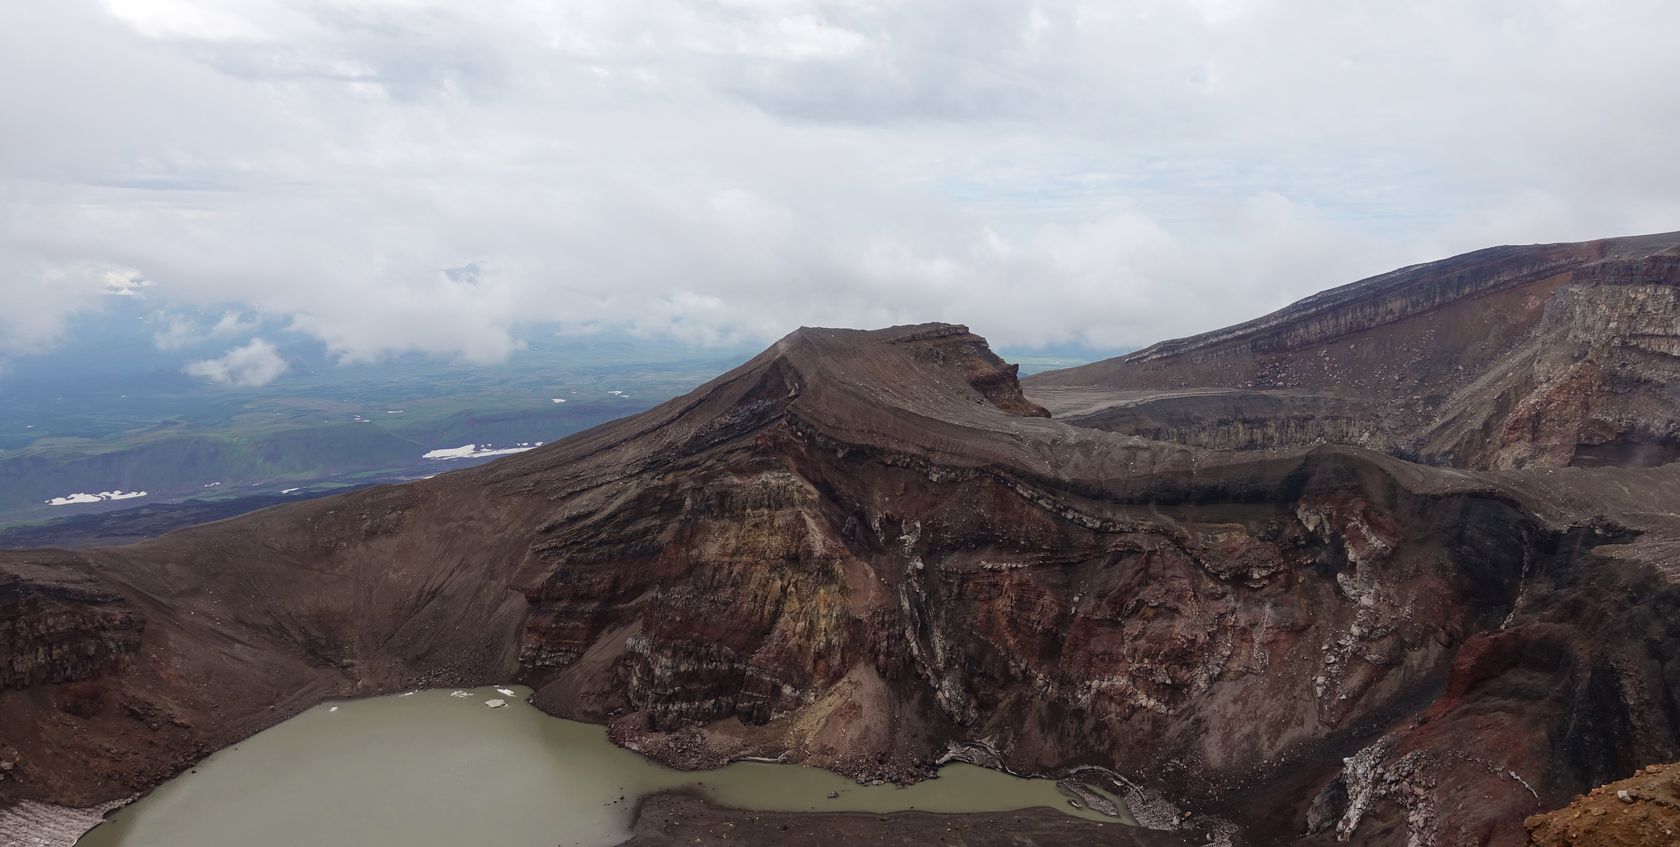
(1540, 356)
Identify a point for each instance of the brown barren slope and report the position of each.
(1640, 810)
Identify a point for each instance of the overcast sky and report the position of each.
(408, 175)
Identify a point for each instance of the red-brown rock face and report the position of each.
(869, 551)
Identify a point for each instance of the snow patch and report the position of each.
(474, 451)
(82, 497)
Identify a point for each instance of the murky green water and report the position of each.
(431, 768)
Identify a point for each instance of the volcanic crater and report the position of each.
(1395, 565)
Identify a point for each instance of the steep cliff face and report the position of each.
(60, 626)
(870, 551)
(1542, 356)
(1605, 378)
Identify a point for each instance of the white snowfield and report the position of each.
(474, 451)
(80, 497)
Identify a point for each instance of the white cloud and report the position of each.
(122, 282)
(1050, 171)
(232, 325)
(252, 365)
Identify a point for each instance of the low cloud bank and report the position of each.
(252, 365)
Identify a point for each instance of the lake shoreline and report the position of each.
(72, 823)
(721, 799)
